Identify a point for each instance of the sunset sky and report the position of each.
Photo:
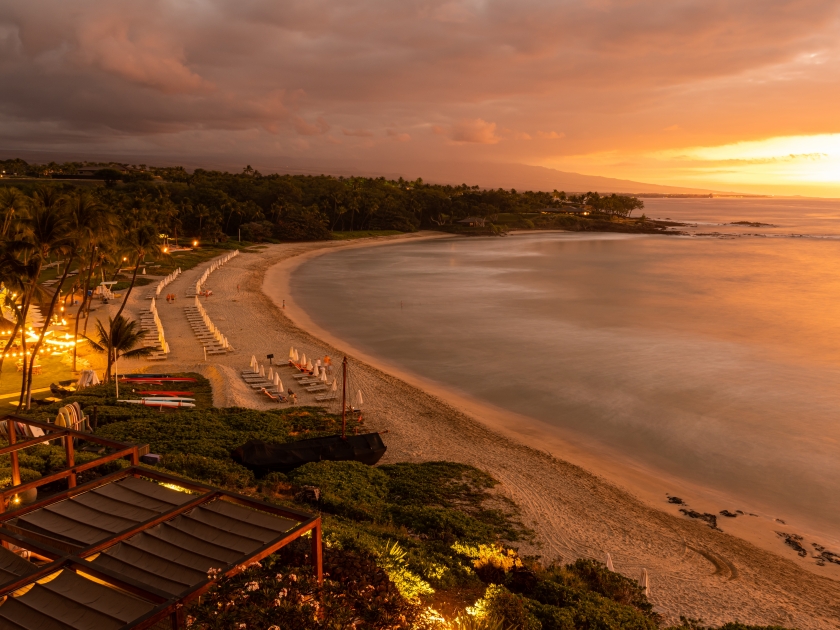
(729, 95)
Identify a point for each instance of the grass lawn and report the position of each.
(52, 371)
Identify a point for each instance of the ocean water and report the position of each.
(713, 359)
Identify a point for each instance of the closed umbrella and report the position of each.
(292, 354)
(359, 400)
(609, 563)
(270, 374)
(323, 375)
(644, 582)
(262, 370)
(303, 359)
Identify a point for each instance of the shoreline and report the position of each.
(645, 483)
(695, 571)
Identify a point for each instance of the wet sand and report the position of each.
(580, 504)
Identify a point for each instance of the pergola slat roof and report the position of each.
(129, 549)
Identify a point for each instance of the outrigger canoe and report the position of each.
(169, 403)
(157, 379)
(156, 393)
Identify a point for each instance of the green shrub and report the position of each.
(350, 489)
(590, 612)
(26, 475)
(215, 433)
(597, 578)
(443, 524)
(211, 471)
(500, 603)
(392, 560)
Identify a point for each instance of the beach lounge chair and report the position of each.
(274, 398)
(329, 396)
(317, 388)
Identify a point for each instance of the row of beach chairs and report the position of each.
(205, 336)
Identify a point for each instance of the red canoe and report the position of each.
(159, 379)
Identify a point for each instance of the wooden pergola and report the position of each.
(191, 521)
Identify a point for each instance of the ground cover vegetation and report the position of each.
(217, 206)
(408, 545)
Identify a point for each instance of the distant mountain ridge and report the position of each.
(526, 177)
(488, 175)
(484, 174)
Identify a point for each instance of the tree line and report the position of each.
(216, 206)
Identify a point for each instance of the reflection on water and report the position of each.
(715, 360)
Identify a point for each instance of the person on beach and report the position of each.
(284, 305)
(292, 397)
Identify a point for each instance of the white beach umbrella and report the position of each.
(609, 563)
(253, 360)
(309, 367)
(358, 400)
(292, 353)
(644, 582)
(318, 363)
(262, 370)
(270, 374)
(334, 387)
(303, 359)
(323, 375)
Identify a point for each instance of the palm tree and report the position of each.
(11, 203)
(94, 224)
(141, 241)
(120, 340)
(44, 232)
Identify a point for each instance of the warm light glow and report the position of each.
(195, 243)
(787, 159)
(172, 486)
(806, 165)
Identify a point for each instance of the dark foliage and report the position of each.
(216, 206)
(360, 596)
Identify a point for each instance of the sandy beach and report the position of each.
(580, 504)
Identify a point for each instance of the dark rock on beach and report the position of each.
(711, 519)
(794, 541)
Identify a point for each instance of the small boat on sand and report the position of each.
(265, 457)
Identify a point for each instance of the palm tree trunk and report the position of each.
(9, 344)
(117, 316)
(27, 299)
(82, 305)
(47, 320)
(130, 287)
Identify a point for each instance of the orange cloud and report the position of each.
(145, 58)
(398, 137)
(477, 130)
(305, 129)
